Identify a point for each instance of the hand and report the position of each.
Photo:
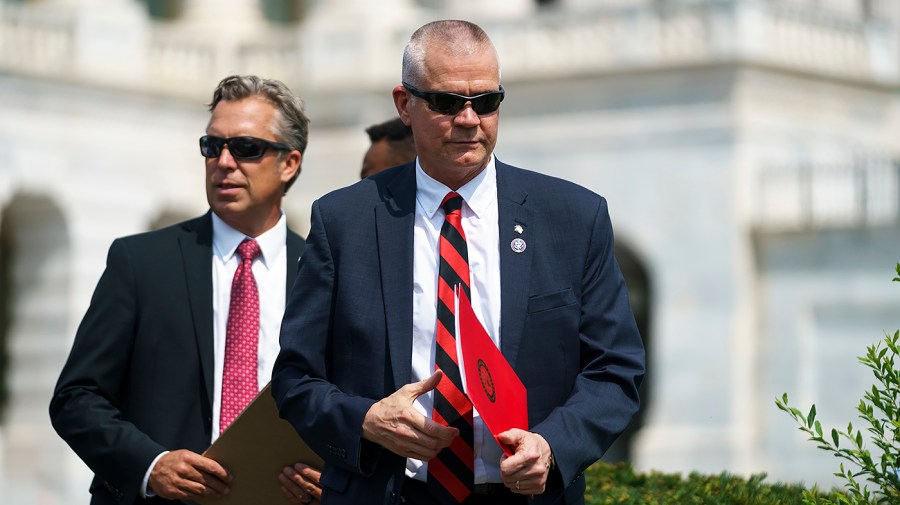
(300, 483)
(184, 475)
(396, 425)
(526, 471)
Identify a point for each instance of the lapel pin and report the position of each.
(517, 245)
(518, 228)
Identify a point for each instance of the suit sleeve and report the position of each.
(85, 408)
(329, 420)
(605, 395)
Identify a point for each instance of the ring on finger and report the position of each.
(517, 485)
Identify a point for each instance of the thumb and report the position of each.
(512, 437)
(425, 385)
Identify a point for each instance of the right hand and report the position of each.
(185, 475)
(396, 425)
(301, 483)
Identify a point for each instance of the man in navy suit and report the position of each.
(140, 397)
(358, 341)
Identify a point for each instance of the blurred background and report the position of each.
(748, 150)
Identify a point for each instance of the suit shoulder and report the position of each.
(371, 190)
(168, 233)
(547, 188)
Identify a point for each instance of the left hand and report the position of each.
(526, 471)
(300, 483)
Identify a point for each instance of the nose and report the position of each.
(225, 160)
(467, 116)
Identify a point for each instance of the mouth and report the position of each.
(228, 187)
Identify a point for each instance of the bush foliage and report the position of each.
(879, 410)
(619, 484)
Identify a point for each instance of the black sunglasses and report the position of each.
(241, 148)
(451, 103)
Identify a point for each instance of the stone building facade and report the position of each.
(748, 149)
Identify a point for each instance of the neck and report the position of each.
(454, 179)
(252, 226)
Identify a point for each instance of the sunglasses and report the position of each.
(241, 148)
(452, 103)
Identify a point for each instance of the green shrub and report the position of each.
(880, 410)
(619, 484)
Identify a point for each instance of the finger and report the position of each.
(435, 430)
(512, 437)
(307, 484)
(194, 488)
(209, 466)
(291, 497)
(525, 487)
(311, 478)
(309, 473)
(216, 485)
(290, 483)
(423, 386)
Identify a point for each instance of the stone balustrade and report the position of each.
(549, 44)
(849, 191)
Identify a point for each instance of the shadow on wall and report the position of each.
(34, 284)
(639, 296)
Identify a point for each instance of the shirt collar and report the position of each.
(478, 193)
(271, 243)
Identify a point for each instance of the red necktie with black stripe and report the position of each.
(450, 473)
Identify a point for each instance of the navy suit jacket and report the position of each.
(565, 327)
(139, 377)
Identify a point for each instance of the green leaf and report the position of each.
(835, 437)
(811, 417)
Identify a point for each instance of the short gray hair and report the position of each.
(455, 36)
(292, 125)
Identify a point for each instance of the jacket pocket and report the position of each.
(547, 301)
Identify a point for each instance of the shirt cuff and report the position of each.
(145, 491)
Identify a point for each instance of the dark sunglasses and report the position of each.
(241, 148)
(452, 103)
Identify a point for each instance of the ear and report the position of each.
(290, 165)
(401, 101)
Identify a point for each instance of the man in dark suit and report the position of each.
(361, 341)
(143, 392)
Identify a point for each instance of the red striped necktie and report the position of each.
(239, 380)
(450, 473)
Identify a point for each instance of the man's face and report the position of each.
(247, 194)
(452, 148)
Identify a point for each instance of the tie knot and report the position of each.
(452, 202)
(248, 250)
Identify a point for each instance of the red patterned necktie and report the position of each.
(239, 382)
(450, 473)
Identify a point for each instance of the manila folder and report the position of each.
(255, 448)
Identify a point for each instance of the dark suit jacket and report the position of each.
(139, 378)
(566, 326)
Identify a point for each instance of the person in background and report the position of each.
(369, 344)
(182, 329)
(391, 145)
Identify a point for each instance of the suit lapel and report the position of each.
(394, 220)
(196, 254)
(515, 268)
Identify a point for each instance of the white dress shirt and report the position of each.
(270, 273)
(479, 221)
